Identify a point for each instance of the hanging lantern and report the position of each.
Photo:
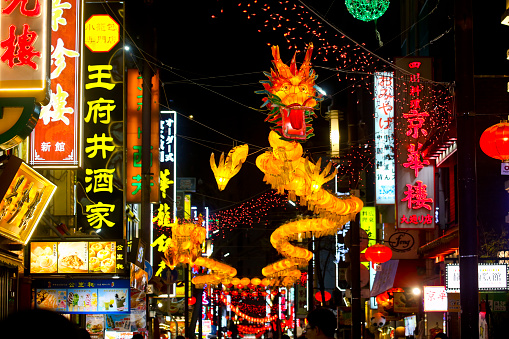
(378, 253)
(494, 141)
(367, 10)
(318, 296)
(191, 301)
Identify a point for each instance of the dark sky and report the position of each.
(211, 68)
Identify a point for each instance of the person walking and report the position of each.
(321, 324)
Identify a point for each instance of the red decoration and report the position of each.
(192, 301)
(378, 253)
(495, 141)
(318, 296)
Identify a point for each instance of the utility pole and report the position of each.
(467, 192)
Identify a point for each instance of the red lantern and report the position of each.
(318, 296)
(378, 253)
(494, 141)
(192, 301)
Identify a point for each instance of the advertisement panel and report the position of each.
(490, 276)
(24, 194)
(435, 299)
(87, 296)
(134, 135)
(384, 138)
(415, 175)
(101, 179)
(101, 257)
(54, 140)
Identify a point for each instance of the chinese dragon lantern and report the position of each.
(291, 97)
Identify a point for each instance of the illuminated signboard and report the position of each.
(78, 257)
(25, 53)
(384, 138)
(435, 299)
(24, 194)
(103, 33)
(490, 277)
(415, 176)
(134, 136)
(101, 179)
(368, 224)
(54, 141)
(83, 296)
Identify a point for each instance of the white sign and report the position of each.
(504, 168)
(435, 299)
(384, 138)
(490, 276)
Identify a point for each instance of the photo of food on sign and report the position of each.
(102, 257)
(54, 300)
(72, 257)
(43, 257)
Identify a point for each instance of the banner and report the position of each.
(100, 187)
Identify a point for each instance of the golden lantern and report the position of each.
(228, 167)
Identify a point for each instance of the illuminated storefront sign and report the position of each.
(100, 181)
(24, 67)
(54, 141)
(96, 257)
(384, 138)
(167, 210)
(134, 137)
(435, 299)
(103, 33)
(24, 195)
(368, 224)
(415, 175)
(83, 296)
(490, 276)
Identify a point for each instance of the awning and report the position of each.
(404, 273)
(10, 259)
(446, 244)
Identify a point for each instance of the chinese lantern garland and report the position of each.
(249, 318)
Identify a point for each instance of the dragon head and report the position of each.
(291, 96)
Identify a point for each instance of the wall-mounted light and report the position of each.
(505, 18)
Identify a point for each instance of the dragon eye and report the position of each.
(284, 87)
(303, 88)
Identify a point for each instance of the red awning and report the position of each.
(446, 244)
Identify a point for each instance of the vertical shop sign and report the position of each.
(134, 132)
(384, 138)
(100, 181)
(54, 141)
(415, 174)
(24, 67)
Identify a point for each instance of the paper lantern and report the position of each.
(378, 253)
(318, 296)
(192, 301)
(494, 141)
(367, 10)
(228, 167)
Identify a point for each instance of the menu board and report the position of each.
(78, 257)
(83, 296)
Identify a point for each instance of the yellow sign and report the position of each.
(102, 33)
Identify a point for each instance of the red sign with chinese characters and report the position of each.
(54, 141)
(414, 174)
(24, 48)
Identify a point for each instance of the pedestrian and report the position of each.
(321, 324)
(38, 323)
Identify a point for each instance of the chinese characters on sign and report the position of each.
(490, 276)
(134, 136)
(415, 174)
(24, 196)
(384, 138)
(54, 141)
(100, 186)
(435, 299)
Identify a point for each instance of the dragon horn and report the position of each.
(306, 64)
